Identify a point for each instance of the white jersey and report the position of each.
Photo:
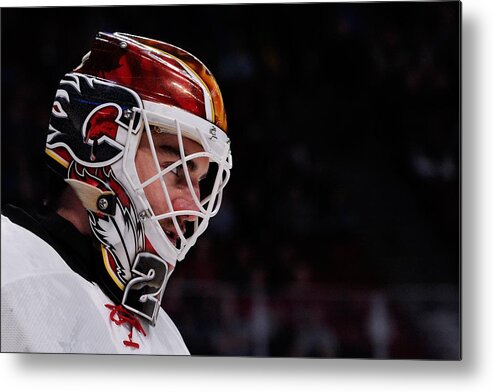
(48, 308)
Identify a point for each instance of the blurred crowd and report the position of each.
(339, 233)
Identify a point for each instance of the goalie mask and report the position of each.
(138, 130)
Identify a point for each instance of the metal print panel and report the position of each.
(128, 227)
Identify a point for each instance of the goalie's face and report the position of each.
(171, 196)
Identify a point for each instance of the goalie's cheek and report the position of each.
(146, 169)
(156, 197)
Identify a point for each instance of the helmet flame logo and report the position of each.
(87, 122)
(100, 126)
(102, 123)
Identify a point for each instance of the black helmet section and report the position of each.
(86, 122)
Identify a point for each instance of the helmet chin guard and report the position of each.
(104, 115)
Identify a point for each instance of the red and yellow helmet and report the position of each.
(126, 88)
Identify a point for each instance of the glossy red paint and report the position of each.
(158, 72)
(102, 123)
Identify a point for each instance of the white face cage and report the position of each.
(216, 148)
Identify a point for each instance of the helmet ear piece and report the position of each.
(93, 198)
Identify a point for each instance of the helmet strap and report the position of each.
(93, 198)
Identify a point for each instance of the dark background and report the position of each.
(339, 235)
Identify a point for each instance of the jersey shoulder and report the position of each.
(25, 254)
(170, 339)
(46, 307)
(44, 304)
